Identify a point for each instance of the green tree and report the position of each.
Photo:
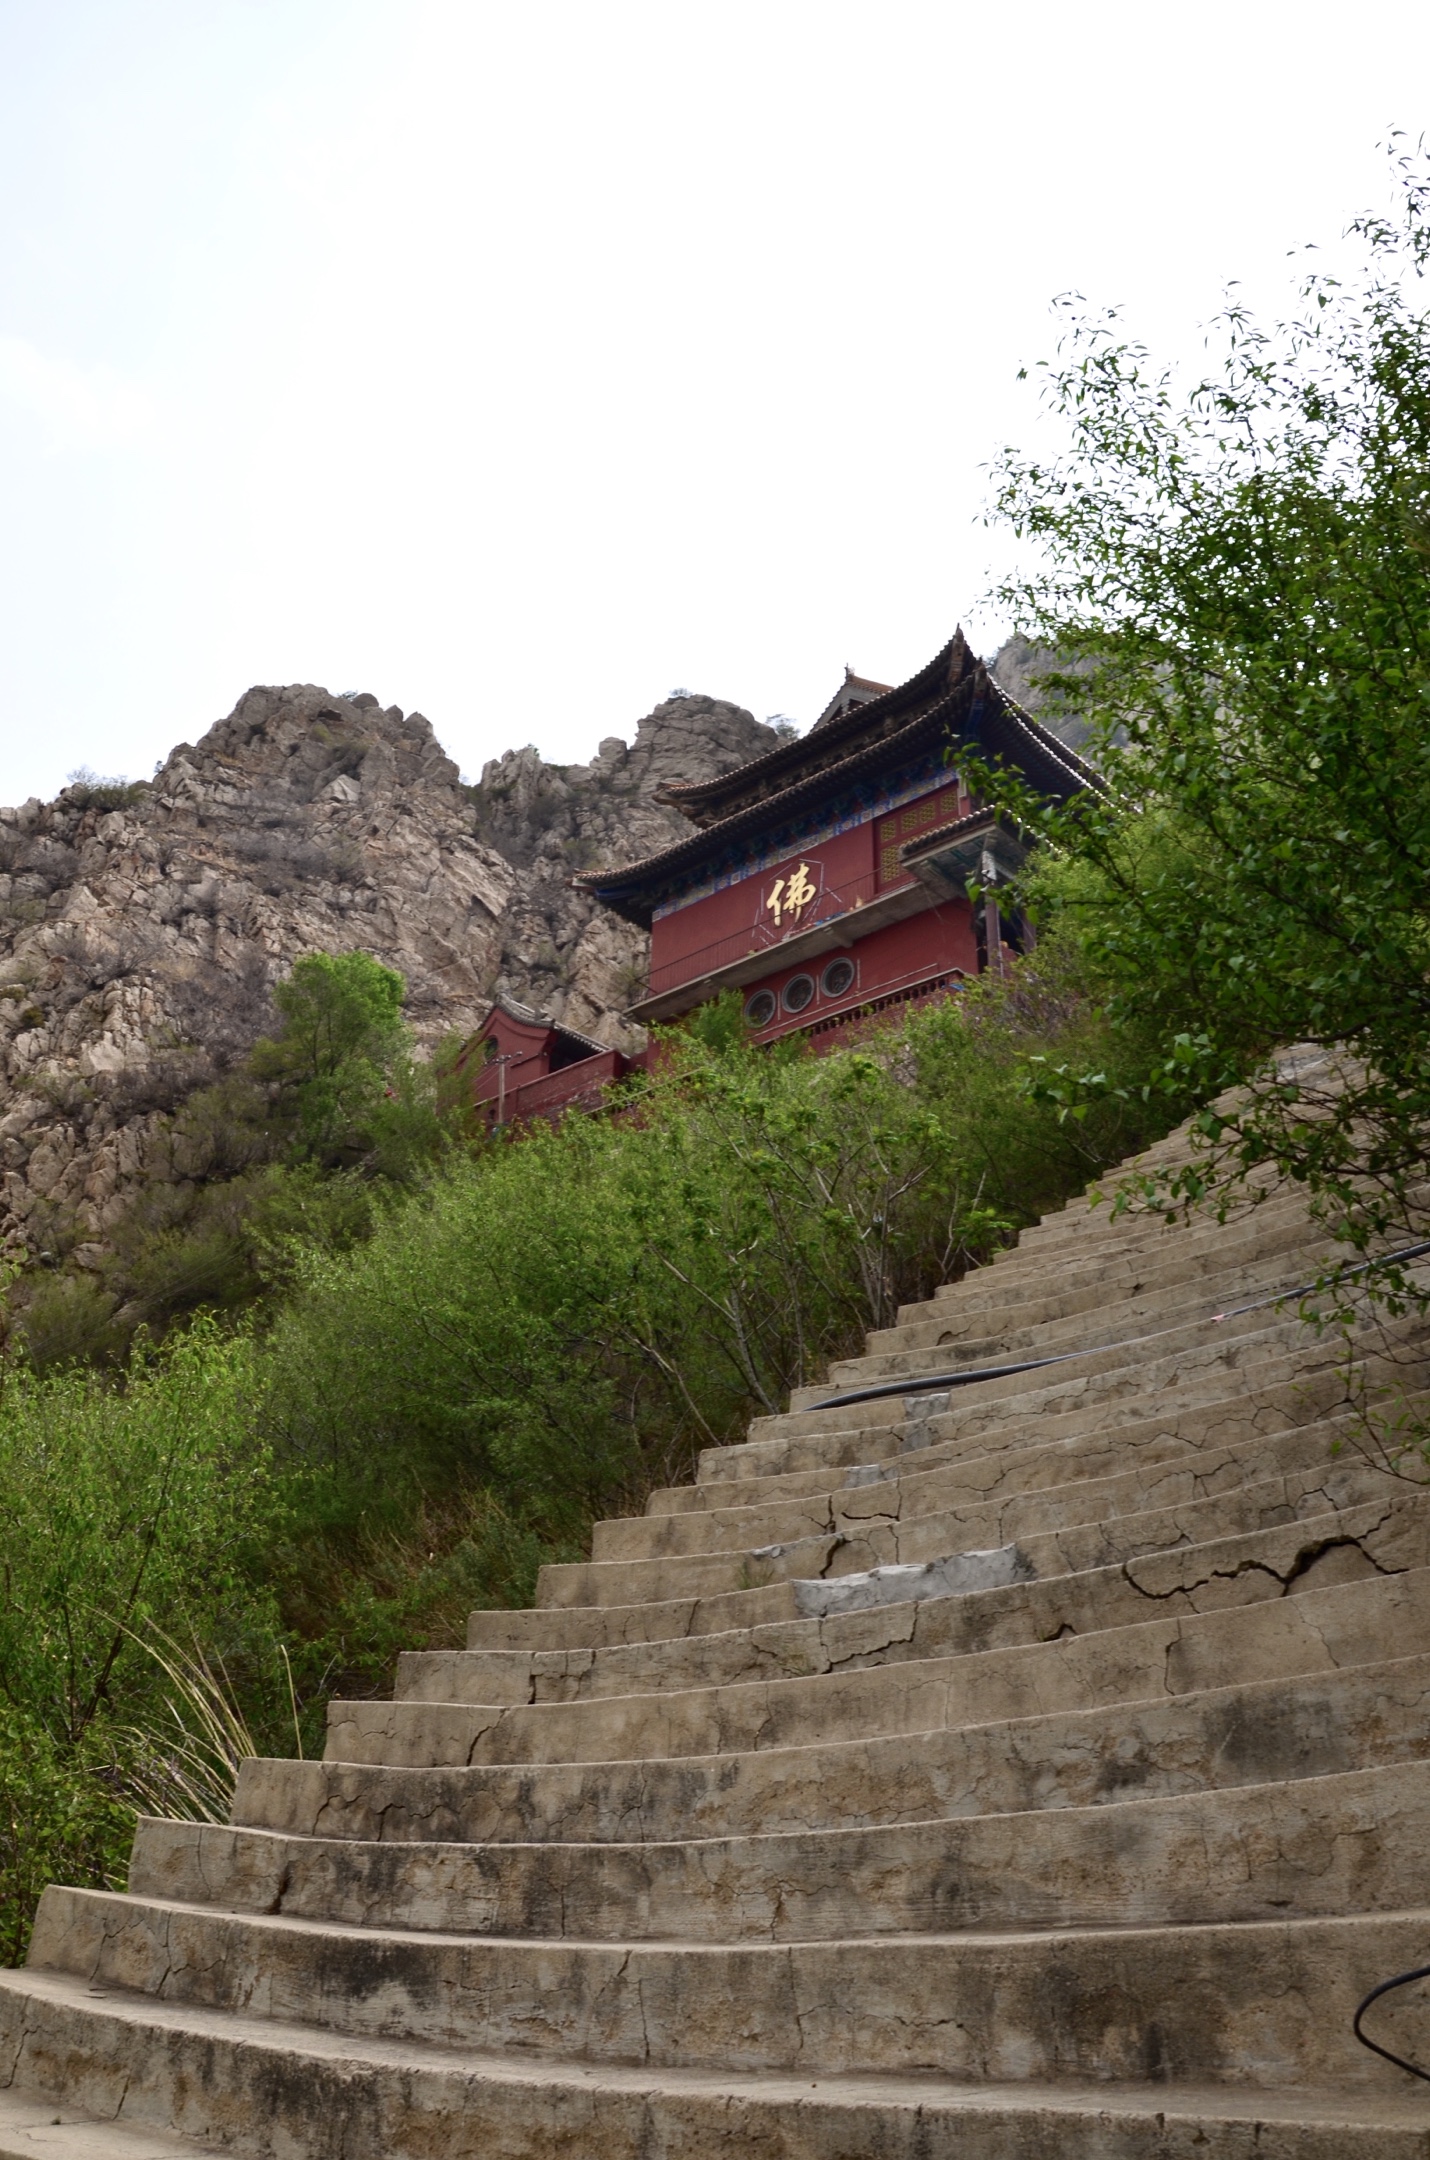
(336, 1058)
(1237, 575)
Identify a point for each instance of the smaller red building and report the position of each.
(523, 1066)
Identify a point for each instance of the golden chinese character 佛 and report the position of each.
(799, 891)
(776, 894)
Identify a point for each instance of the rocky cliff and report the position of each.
(142, 928)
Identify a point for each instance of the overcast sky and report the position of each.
(522, 362)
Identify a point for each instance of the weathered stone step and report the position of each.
(1102, 1541)
(1040, 1291)
(1384, 1538)
(1160, 1329)
(808, 1644)
(33, 2127)
(1119, 1364)
(909, 1694)
(1250, 1669)
(1264, 2000)
(1328, 1845)
(887, 1512)
(952, 1427)
(1016, 1466)
(1099, 1312)
(239, 2079)
(1083, 1395)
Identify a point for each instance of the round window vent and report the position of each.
(797, 993)
(760, 1009)
(837, 978)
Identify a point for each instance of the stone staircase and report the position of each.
(1032, 1770)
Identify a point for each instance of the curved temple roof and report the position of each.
(953, 699)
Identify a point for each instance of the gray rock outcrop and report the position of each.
(142, 928)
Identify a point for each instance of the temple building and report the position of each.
(840, 875)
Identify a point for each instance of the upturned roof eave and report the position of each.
(606, 885)
(935, 680)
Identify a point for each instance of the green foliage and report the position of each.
(118, 1508)
(1239, 573)
(340, 1066)
(126, 1515)
(62, 1819)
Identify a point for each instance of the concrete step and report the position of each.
(862, 1545)
(1098, 1312)
(240, 2078)
(1152, 1442)
(909, 1759)
(1163, 1328)
(33, 2127)
(1100, 1540)
(1252, 1424)
(930, 1504)
(1318, 1846)
(1262, 2001)
(1286, 1245)
(1090, 1394)
(868, 1701)
(1240, 1573)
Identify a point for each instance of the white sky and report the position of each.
(520, 362)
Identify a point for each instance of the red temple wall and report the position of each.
(845, 871)
(900, 955)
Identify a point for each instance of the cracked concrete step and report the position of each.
(33, 2127)
(885, 1516)
(1089, 1541)
(1050, 1404)
(1047, 1294)
(1319, 1846)
(811, 1644)
(1237, 1423)
(1272, 1701)
(1040, 1554)
(952, 1427)
(1098, 1305)
(1120, 1362)
(870, 1701)
(1237, 1573)
(235, 2079)
(1100, 1348)
(1037, 1327)
(1285, 1249)
(1182, 1439)
(792, 1642)
(1262, 2000)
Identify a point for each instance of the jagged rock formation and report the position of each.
(1094, 1859)
(1020, 668)
(561, 951)
(141, 929)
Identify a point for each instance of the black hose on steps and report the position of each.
(1421, 1972)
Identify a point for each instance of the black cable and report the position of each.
(1421, 1972)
